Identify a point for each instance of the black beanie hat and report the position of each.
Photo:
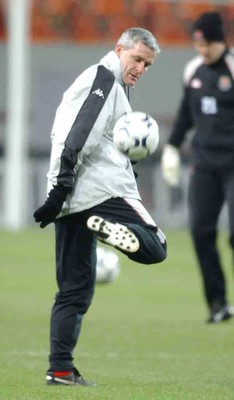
(209, 26)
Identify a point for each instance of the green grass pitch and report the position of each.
(144, 338)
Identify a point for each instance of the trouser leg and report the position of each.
(132, 214)
(229, 196)
(75, 269)
(205, 202)
(152, 248)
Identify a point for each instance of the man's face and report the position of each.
(210, 51)
(134, 61)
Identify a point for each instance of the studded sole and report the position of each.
(114, 234)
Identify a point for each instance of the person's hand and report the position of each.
(52, 207)
(170, 165)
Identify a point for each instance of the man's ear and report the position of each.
(118, 49)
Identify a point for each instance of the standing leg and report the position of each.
(75, 263)
(205, 202)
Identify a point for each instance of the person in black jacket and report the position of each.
(207, 106)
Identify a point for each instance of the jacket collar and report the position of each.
(112, 62)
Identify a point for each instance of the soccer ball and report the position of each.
(107, 268)
(136, 134)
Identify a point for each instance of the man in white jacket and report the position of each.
(92, 192)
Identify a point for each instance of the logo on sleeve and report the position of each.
(196, 83)
(99, 93)
(224, 83)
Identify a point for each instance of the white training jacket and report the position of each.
(83, 156)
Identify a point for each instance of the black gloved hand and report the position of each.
(52, 207)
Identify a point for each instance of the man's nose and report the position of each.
(141, 68)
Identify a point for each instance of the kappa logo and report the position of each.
(99, 93)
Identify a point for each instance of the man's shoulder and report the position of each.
(86, 75)
(96, 71)
(230, 51)
(229, 59)
(105, 73)
(191, 67)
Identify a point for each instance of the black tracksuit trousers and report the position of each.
(208, 191)
(76, 270)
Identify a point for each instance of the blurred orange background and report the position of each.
(95, 21)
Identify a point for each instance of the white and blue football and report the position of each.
(136, 134)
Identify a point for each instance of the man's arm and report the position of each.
(170, 161)
(183, 122)
(74, 143)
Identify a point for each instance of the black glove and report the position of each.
(52, 207)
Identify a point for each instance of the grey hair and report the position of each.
(134, 35)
